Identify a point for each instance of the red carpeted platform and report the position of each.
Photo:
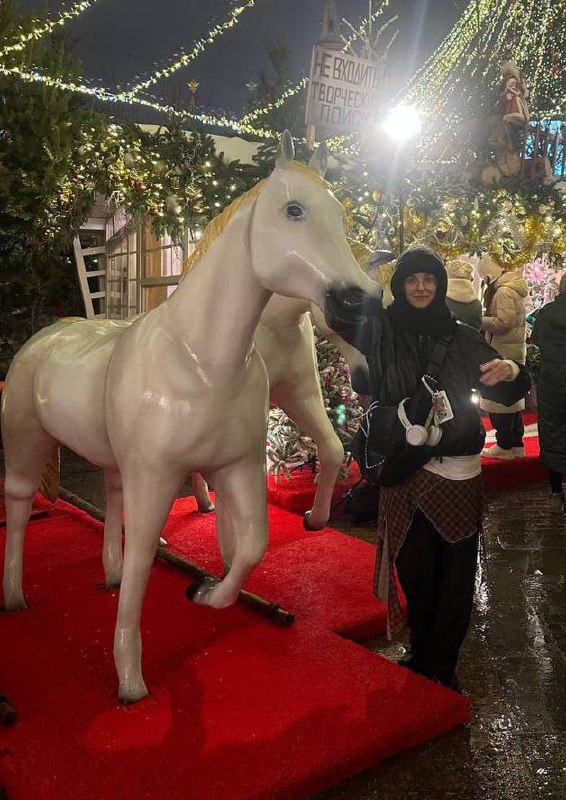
(240, 709)
(297, 494)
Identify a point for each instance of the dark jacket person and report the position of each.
(549, 334)
(428, 524)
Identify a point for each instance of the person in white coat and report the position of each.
(504, 325)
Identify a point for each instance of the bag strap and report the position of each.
(438, 356)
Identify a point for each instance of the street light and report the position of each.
(402, 124)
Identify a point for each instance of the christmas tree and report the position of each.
(42, 201)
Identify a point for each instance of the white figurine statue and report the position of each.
(181, 389)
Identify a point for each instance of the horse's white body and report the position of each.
(285, 340)
(181, 389)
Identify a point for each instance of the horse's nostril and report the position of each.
(349, 296)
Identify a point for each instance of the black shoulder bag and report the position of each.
(380, 446)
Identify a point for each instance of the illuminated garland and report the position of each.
(48, 27)
(258, 112)
(106, 96)
(199, 47)
(532, 34)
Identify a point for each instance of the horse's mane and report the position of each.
(218, 223)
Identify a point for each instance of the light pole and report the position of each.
(402, 124)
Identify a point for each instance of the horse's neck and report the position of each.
(216, 308)
(283, 311)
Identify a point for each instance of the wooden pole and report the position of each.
(273, 611)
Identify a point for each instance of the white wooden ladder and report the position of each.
(90, 258)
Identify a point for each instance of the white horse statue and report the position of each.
(285, 340)
(181, 389)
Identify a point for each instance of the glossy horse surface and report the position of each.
(180, 389)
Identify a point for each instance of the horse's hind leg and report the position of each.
(200, 490)
(242, 497)
(25, 458)
(308, 413)
(112, 559)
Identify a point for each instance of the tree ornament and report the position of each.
(129, 160)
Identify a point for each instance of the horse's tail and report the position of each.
(50, 478)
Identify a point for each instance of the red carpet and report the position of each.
(297, 494)
(241, 709)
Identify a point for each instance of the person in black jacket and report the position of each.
(549, 334)
(428, 525)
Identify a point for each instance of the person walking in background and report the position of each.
(504, 326)
(461, 297)
(549, 334)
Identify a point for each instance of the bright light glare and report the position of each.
(402, 123)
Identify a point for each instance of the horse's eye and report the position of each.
(295, 211)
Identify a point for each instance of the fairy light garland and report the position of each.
(106, 96)
(186, 58)
(258, 112)
(532, 34)
(48, 27)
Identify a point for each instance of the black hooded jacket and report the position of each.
(397, 358)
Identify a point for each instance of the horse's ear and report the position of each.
(286, 150)
(319, 160)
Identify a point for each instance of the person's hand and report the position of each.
(496, 371)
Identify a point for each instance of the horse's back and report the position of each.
(57, 381)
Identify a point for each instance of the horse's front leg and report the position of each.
(200, 491)
(306, 409)
(241, 494)
(148, 497)
(112, 559)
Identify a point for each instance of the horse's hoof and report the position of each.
(308, 525)
(17, 604)
(111, 584)
(198, 591)
(206, 509)
(129, 696)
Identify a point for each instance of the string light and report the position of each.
(106, 96)
(200, 46)
(487, 34)
(258, 112)
(48, 27)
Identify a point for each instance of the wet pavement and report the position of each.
(513, 665)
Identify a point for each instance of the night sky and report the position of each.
(117, 40)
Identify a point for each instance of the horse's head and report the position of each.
(298, 243)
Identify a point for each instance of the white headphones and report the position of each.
(417, 435)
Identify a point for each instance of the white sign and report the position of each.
(343, 90)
